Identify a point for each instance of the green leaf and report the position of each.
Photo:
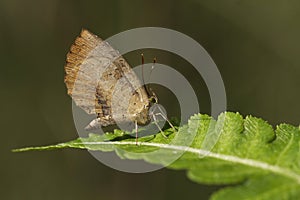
(247, 154)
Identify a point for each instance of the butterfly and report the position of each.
(101, 82)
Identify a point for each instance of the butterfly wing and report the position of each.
(101, 82)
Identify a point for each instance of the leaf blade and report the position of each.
(246, 152)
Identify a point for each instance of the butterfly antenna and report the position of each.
(143, 77)
(143, 62)
(153, 95)
(152, 67)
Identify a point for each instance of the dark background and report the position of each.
(255, 45)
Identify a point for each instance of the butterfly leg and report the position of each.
(155, 121)
(136, 133)
(163, 115)
(165, 118)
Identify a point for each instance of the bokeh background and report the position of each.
(255, 45)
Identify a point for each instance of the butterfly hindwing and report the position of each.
(101, 82)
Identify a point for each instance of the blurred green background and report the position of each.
(255, 45)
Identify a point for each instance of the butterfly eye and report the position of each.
(153, 99)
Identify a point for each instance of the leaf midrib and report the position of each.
(245, 161)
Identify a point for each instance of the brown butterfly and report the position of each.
(101, 82)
